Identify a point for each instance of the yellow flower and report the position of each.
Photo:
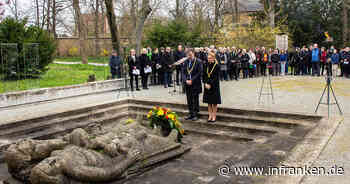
(182, 131)
(171, 116)
(160, 112)
(148, 116)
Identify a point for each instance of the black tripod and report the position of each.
(328, 88)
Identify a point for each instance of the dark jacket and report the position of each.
(177, 56)
(167, 60)
(275, 58)
(195, 75)
(144, 61)
(133, 63)
(115, 64)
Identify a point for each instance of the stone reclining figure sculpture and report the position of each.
(85, 157)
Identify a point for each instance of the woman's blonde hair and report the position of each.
(212, 55)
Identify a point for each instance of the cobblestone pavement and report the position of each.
(291, 94)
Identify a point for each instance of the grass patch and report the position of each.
(78, 59)
(58, 75)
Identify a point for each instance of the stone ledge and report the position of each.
(47, 94)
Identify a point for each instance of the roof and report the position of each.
(244, 6)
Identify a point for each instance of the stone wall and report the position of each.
(46, 94)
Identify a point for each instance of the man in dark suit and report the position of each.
(179, 54)
(191, 73)
(167, 61)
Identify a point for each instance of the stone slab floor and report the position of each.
(291, 94)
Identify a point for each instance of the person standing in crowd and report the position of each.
(179, 54)
(346, 60)
(146, 69)
(156, 66)
(265, 60)
(335, 62)
(192, 70)
(315, 60)
(234, 64)
(245, 63)
(134, 70)
(153, 74)
(324, 57)
(252, 59)
(275, 58)
(306, 59)
(211, 80)
(258, 62)
(222, 58)
(294, 60)
(283, 60)
(115, 64)
(166, 65)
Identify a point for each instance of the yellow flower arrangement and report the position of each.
(166, 119)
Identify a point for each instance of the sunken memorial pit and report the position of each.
(101, 144)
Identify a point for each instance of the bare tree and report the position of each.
(270, 10)
(13, 5)
(142, 16)
(82, 31)
(112, 24)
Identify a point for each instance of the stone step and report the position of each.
(219, 130)
(24, 122)
(233, 119)
(226, 127)
(242, 112)
(55, 131)
(24, 129)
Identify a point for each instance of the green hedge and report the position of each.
(19, 62)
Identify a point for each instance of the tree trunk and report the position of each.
(48, 15)
(133, 10)
(143, 14)
(345, 22)
(112, 25)
(54, 14)
(177, 10)
(37, 12)
(236, 11)
(82, 32)
(272, 18)
(97, 19)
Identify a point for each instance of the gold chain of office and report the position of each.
(209, 73)
(189, 71)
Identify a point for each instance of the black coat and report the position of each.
(144, 61)
(275, 58)
(177, 56)
(115, 64)
(133, 63)
(167, 60)
(212, 95)
(195, 75)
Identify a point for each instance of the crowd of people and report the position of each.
(211, 65)
(234, 63)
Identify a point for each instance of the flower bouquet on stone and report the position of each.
(167, 120)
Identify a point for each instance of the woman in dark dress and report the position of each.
(211, 79)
